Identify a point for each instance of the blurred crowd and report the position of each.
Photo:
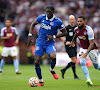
(23, 12)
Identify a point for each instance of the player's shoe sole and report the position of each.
(41, 84)
(89, 83)
(55, 75)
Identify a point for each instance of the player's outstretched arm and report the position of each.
(5, 37)
(64, 33)
(30, 32)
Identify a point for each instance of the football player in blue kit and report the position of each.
(47, 32)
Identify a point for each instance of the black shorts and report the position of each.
(71, 51)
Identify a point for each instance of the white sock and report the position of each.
(40, 80)
(51, 69)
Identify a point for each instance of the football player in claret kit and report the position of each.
(72, 51)
(47, 32)
(88, 47)
(8, 35)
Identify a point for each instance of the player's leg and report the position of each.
(53, 63)
(85, 71)
(37, 60)
(74, 59)
(39, 51)
(51, 52)
(94, 56)
(13, 51)
(16, 65)
(84, 67)
(72, 54)
(3, 60)
(68, 50)
(5, 53)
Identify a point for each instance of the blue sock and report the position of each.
(53, 63)
(84, 68)
(38, 71)
(15, 61)
(2, 64)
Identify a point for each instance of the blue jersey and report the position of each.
(48, 26)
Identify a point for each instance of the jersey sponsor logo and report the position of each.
(82, 37)
(45, 26)
(9, 34)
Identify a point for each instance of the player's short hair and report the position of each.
(82, 17)
(8, 19)
(50, 7)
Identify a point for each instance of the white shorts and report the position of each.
(9, 50)
(93, 54)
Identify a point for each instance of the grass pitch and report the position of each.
(10, 81)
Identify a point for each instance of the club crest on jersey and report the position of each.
(51, 23)
(37, 48)
(43, 21)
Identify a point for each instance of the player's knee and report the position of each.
(53, 56)
(36, 61)
(14, 57)
(82, 63)
(4, 58)
(74, 59)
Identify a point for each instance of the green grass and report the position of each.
(10, 81)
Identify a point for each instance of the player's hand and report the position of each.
(68, 43)
(29, 40)
(8, 37)
(16, 42)
(84, 55)
(50, 37)
(72, 44)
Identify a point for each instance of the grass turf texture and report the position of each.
(10, 81)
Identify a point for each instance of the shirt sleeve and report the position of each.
(90, 33)
(39, 19)
(60, 25)
(2, 32)
(16, 31)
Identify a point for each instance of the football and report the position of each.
(33, 82)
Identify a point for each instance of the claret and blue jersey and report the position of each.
(48, 27)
